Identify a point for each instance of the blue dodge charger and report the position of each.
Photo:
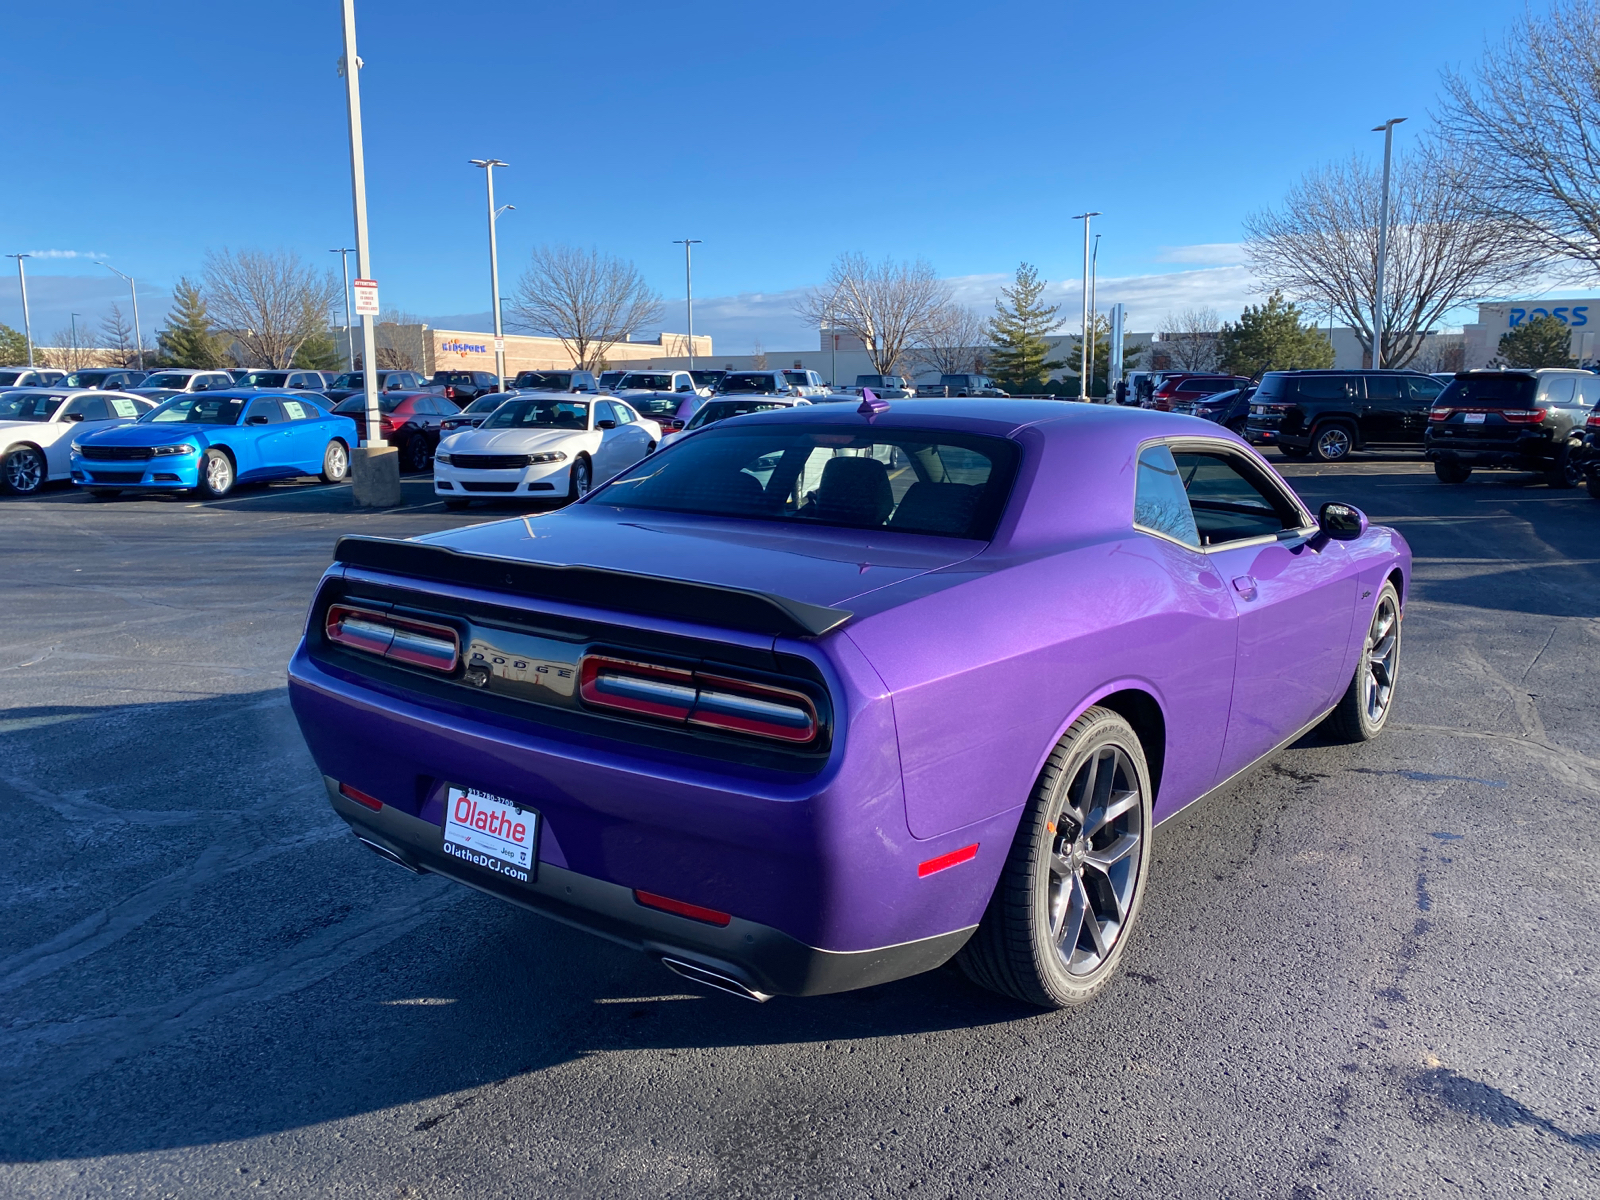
(209, 441)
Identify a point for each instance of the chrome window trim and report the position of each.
(1308, 527)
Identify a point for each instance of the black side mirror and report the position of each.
(258, 419)
(1342, 522)
(74, 416)
(605, 424)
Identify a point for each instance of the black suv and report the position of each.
(556, 381)
(464, 386)
(1523, 420)
(1327, 414)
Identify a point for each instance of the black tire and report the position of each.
(216, 475)
(1236, 426)
(1450, 471)
(1564, 472)
(1294, 451)
(335, 462)
(1363, 711)
(456, 504)
(1026, 945)
(414, 453)
(1594, 486)
(105, 493)
(24, 471)
(581, 479)
(1333, 441)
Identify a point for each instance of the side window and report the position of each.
(604, 412)
(1383, 389)
(1558, 389)
(93, 408)
(624, 413)
(1588, 390)
(1229, 501)
(1160, 504)
(295, 410)
(1426, 391)
(265, 408)
(121, 406)
(1323, 387)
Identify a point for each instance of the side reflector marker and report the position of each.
(681, 908)
(945, 861)
(350, 793)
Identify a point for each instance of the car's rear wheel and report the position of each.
(1058, 923)
(1333, 443)
(335, 462)
(25, 470)
(1364, 709)
(216, 475)
(1449, 471)
(582, 479)
(414, 454)
(1564, 472)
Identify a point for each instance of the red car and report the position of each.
(408, 421)
(1187, 389)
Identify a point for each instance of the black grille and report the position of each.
(487, 487)
(489, 462)
(116, 476)
(115, 453)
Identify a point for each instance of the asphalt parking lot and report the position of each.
(1362, 971)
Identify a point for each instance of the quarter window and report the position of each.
(1160, 504)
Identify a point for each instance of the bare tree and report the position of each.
(400, 342)
(1190, 339)
(892, 307)
(1442, 352)
(1322, 247)
(758, 360)
(117, 338)
(1523, 133)
(591, 301)
(954, 342)
(268, 303)
(71, 348)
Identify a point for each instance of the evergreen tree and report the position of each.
(1017, 330)
(1270, 337)
(13, 347)
(1099, 382)
(319, 352)
(1541, 342)
(188, 339)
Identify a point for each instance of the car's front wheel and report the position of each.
(1059, 920)
(335, 462)
(414, 454)
(582, 479)
(1333, 443)
(1564, 472)
(1450, 471)
(25, 470)
(216, 475)
(1364, 709)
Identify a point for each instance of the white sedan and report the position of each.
(37, 428)
(542, 444)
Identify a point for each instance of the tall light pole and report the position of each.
(1387, 129)
(350, 65)
(138, 338)
(344, 253)
(488, 165)
(27, 322)
(1083, 345)
(1094, 308)
(688, 290)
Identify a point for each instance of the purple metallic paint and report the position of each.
(959, 670)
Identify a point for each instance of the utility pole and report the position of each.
(1094, 308)
(27, 322)
(138, 338)
(376, 468)
(344, 253)
(688, 290)
(488, 165)
(1083, 344)
(1387, 129)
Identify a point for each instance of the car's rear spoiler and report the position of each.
(625, 591)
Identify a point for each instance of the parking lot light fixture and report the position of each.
(1083, 345)
(27, 322)
(344, 253)
(138, 338)
(1387, 129)
(488, 165)
(688, 290)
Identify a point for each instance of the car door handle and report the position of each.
(1245, 585)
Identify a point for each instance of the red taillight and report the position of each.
(697, 698)
(350, 793)
(945, 861)
(1440, 414)
(1594, 421)
(1518, 416)
(681, 908)
(402, 639)
(449, 392)
(385, 424)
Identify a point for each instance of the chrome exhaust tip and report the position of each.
(385, 852)
(713, 979)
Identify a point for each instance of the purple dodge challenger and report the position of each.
(818, 698)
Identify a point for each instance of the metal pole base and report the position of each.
(375, 477)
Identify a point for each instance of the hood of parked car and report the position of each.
(829, 567)
(508, 441)
(40, 433)
(164, 433)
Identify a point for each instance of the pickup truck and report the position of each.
(464, 386)
(970, 385)
(885, 387)
(806, 383)
(668, 398)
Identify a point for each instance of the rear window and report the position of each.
(903, 480)
(545, 381)
(640, 380)
(720, 410)
(747, 382)
(1271, 386)
(1489, 391)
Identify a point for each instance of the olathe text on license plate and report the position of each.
(490, 832)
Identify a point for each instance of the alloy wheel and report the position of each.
(1094, 859)
(1382, 651)
(580, 479)
(338, 461)
(219, 475)
(1333, 443)
(24, 470)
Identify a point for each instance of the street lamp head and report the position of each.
(487, 162)
(1387, 125)
(1085, 216)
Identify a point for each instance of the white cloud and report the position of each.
(1206, 254)
(67, 254)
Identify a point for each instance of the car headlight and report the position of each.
(181, 448)
(442, 459)
(551, 456)
(77, 449)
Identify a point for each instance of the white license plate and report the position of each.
(490, 832)
(1473, 418)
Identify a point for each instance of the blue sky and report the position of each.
(779, 134)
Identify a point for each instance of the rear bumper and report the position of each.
(765, 960)
(1519, 453)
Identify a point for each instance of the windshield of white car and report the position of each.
(707, 379)
(655, 406)
(263, 379)
(358, 404)
(197, 410)
(639, 381)
(28, 406)
(176, 382)
(745, 383)
(544, 381)
(903, 480)
(540, 414)
(721, 410)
